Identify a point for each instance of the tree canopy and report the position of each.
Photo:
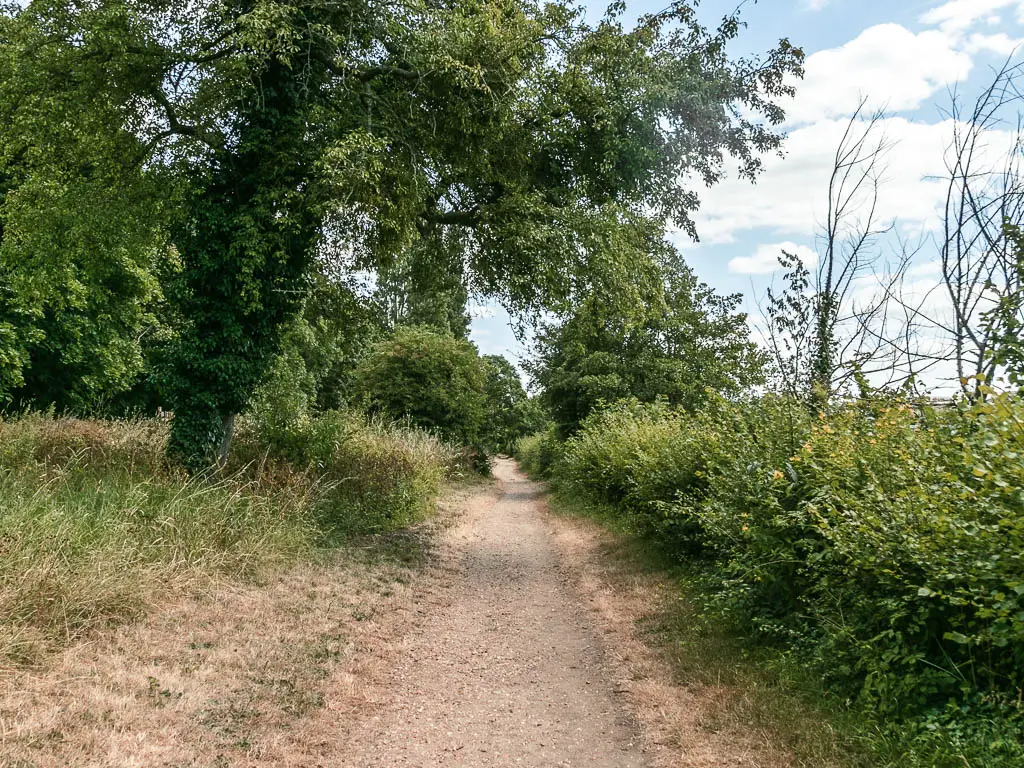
(542, 151)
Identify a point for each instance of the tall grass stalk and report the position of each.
(84, 548)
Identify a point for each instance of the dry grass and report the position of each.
(86, 547)
(700, 703)
(272, 674)
(94, 523)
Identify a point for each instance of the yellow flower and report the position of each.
(777, 475)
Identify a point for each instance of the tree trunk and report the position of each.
(225, 442)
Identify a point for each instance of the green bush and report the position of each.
(638, 457)
(435, 381)
(372, 475)
(539, 453)
(881, 543)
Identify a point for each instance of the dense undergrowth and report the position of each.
(93, 520)
(880, 544)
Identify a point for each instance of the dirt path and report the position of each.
(510, 671)
(495, 635)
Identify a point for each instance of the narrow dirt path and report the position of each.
(509, 670)
(518, 640)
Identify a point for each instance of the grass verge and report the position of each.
(276, 672)
(94, 525)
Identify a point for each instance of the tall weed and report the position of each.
(91, 523)
(373, 475)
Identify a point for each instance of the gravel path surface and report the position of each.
(508, 671)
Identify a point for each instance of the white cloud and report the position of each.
(790, 198)
(888, 64)
(957, 16)
(893, 67)
(925, 269)
(901, 70)
(897, 69)
(1000, 44)
(765, 259)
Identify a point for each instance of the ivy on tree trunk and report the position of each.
(246, 247)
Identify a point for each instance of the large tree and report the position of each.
(80, 234)
(425, 284)
(511, 413)
(688, 342)
(545, 144)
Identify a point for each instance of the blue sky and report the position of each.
(905, 55)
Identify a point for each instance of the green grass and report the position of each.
(94, 524)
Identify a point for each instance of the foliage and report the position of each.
(793, 317)
(320, 349)
(511, 413)
(1005, 322)
(879, 543)
(342, 325)
(691, 341)
(425, 285)
(287, 395)
(437, 382)
(370, 475)
(80, 228)
(540, 453)
(543, 148)
(104, 355)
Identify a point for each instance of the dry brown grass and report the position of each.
(271, 674)
(94, 522)
(697, 706)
